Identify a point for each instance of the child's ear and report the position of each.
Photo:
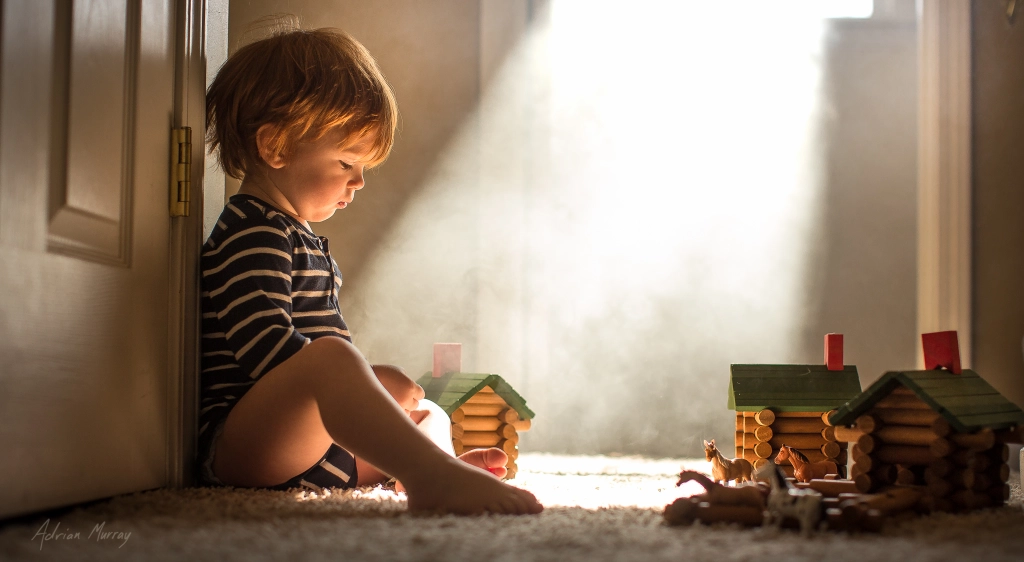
(268, 146)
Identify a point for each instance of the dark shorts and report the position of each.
(335, 469)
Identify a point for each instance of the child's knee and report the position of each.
(403, 389)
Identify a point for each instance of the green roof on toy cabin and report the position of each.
(966, 400)
(451, 391)
(791, 388)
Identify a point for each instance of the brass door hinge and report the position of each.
(181, 171)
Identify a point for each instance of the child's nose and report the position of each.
(358, 181)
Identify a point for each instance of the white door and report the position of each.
(85, 115)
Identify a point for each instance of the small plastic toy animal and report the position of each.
(783, 501)
(717, 494)
(723, 469)
(803, 469)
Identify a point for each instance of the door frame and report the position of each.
(186, 238)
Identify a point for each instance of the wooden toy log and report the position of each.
(937, 470)
(749, 455)
(831, 450)
(480, 439)
(863, 483)
(486, 398)
(941, 427)
(999, 493)
(481, 423)
(764, 417)
(473, 409)
(980, 440)
(939, 488)
(797, 414)
(905, 476)
(967, 499)
(903, 416)
(797, 440)
(832, 488)
(457, 431)
(941, 448)
(905, 435)
(847, 434)
(866, 444)
(684, 511)
(522, 425)
(458, 446)
(739, 422)
(825, 416)
(510, 446)
(893, 500)
(797, 425)
(867, 423)
(829, 434)
(763, 450)
(982, 482)
(903, 402)
(903, 454)
(930, 503)
(458, 415)
(884, 474)
(750, 425)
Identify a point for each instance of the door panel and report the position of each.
(94, 73)
(84, 237)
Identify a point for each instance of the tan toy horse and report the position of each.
(723, 469)
(803, 469)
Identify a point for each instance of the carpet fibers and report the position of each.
(598, 508)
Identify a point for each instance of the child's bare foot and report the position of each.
(462, 488)
(492, 460)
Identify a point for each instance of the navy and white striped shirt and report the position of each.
(269, 287)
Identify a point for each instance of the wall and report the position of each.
(455, 238)
(998, 168)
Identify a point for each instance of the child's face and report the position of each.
(322, 176)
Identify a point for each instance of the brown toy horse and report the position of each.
(803, 469)
(723, 469)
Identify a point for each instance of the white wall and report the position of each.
(462, 235)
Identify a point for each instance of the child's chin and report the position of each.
(323, 217)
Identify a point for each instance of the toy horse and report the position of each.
(723, 469)
(803, 469)
(783, 501)
(717, 494)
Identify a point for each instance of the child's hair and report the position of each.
(305, 83)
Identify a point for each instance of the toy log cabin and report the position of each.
(780, 405)
(484, 409)
(945, 429)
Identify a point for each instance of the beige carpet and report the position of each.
(598, 508)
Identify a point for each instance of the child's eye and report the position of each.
(344, 165)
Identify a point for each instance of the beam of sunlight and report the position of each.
(631, 209)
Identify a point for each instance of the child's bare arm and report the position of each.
(403, 389)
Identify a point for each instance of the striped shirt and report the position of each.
(269, 287)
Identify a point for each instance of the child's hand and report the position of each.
(403, 389)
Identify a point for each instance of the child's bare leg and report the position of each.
(328, 393)
(431, 420)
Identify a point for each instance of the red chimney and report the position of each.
(941, 351)
(447, 359)
(834, 352)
